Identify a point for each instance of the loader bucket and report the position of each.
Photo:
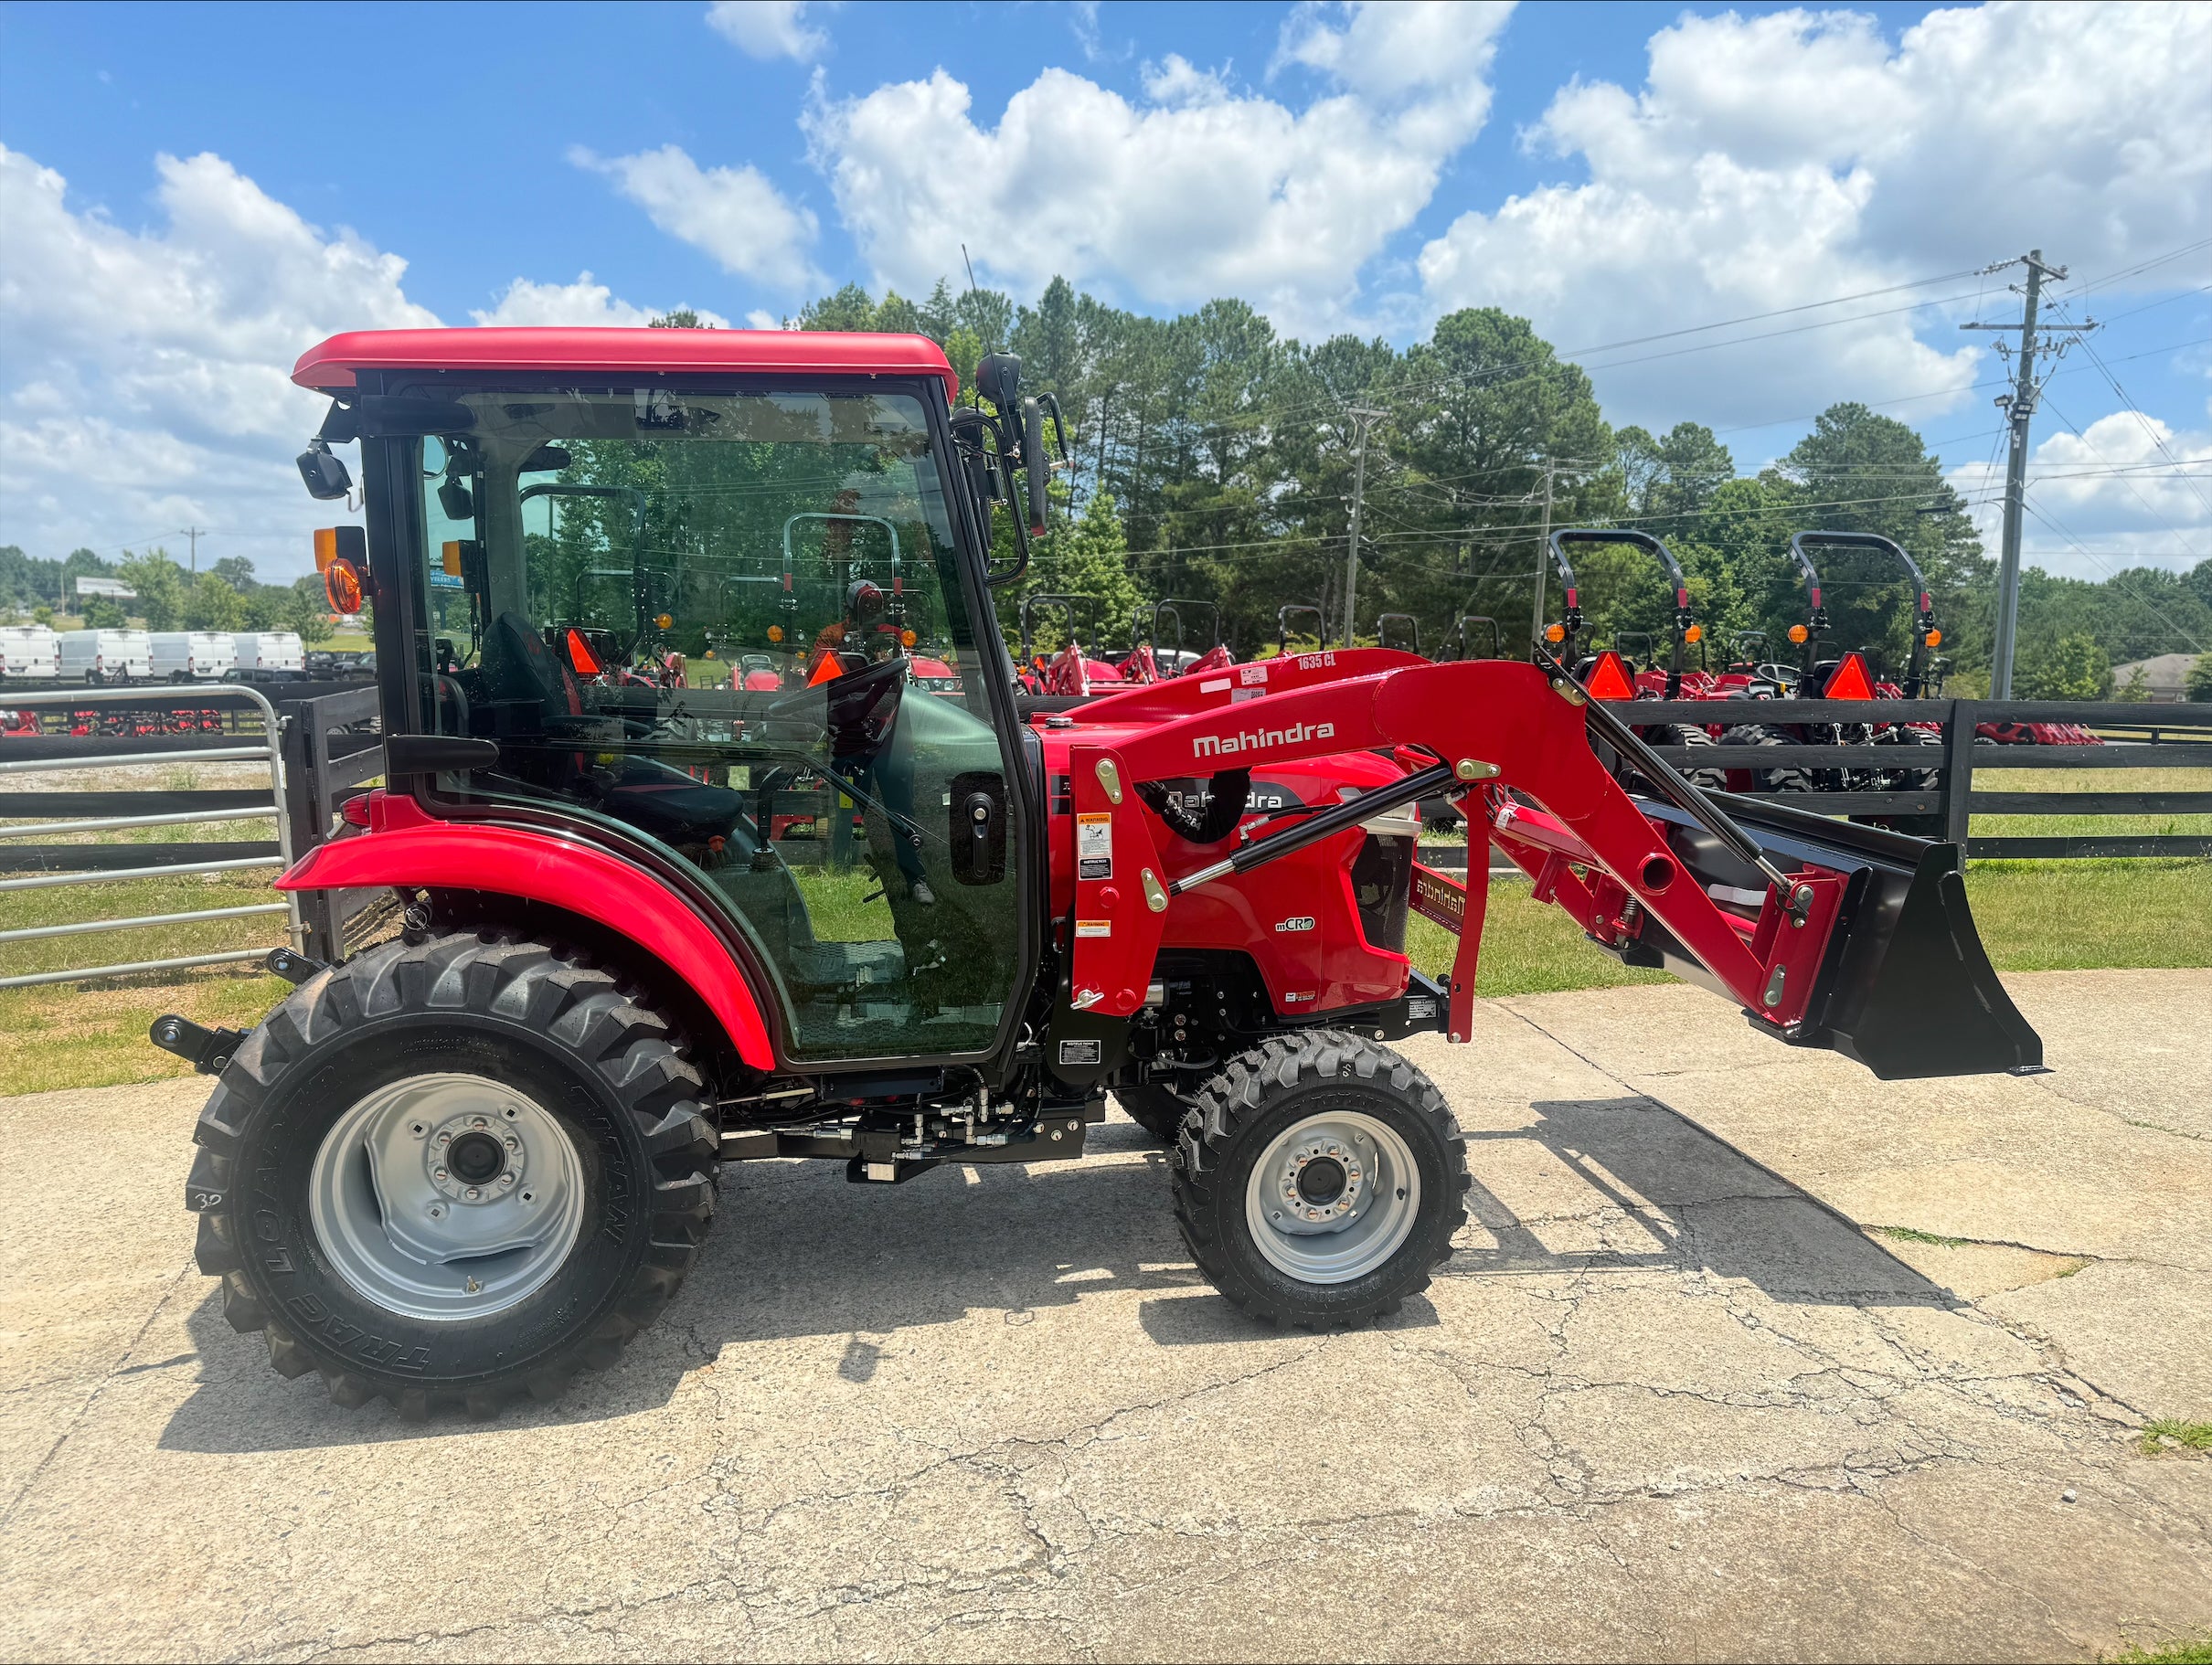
(1906, 988)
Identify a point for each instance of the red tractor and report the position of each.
(461, 1165)
(1073, 671)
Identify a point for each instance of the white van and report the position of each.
(270, 651)
(29, 651)
(107, 656)
(192, 656)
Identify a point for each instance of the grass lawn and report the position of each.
(2090, 780)
(2034, 916)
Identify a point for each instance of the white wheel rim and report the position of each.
(446, 1197)
(1352, 1221)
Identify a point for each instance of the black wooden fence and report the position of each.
(2135, 737)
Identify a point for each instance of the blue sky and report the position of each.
(1612, 172)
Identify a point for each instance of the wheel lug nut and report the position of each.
(473, 1194)
(445, 1138)
(438, 1172)
(507, 1178)
(478, 1121)
(514, 1143)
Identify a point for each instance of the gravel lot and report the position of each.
(1683, 1392)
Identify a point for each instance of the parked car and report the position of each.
(269, 656)
(29, 652)
(193, 656)
(340, 664)
(107, 656)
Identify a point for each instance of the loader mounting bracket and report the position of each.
(209, 1051)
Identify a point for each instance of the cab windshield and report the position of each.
(734, 624)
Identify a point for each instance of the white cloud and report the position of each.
(1773, 161)
(145, 375)
(768, 28)
(734, 215)
(583, 302)
(2128, 489)
(1200, 191)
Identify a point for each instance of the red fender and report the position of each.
(409, 848)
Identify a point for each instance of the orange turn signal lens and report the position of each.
(1694, 634)
(1935, 639)
(907, 639)
(449, 553)
(1554, 632)
(663, 622)
(775, 632)
(342, 586)
(327, 547)
(1798, 632)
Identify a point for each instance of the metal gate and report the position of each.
(55, 866)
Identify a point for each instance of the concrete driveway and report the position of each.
(1678, 1395)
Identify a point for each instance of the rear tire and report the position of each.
(1794, 780)
(345, 1241)
(1320, 1181)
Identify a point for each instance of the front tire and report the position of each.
(1156, 1110)
(1321, 1180)
(453, 1172)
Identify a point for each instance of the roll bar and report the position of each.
(1413, 629)
(1924, 621)
(1282, 624)
(1459, 636)
(1173, 607)
(1684, 622)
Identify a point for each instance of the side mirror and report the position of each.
(1037, 464)
(325, 475)
(998, 379)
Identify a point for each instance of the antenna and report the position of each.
(975, 394)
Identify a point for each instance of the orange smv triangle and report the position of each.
(581, 656)
(1608, 678)
(1850, 681)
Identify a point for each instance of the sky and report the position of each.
(192, 195)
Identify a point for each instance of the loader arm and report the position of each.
(1645, 880)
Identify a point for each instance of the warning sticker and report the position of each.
(1094, 927)
(1082, 1052)
(1249, 675)
(1094, 846)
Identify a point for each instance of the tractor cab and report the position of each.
(560, 545)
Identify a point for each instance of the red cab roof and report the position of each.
(330, 367)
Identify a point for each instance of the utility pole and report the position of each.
(1536, 628)
(193, 533)
(2019, 406)
(1366, 419)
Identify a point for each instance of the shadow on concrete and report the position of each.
(1659, 1192)
(797, 1253)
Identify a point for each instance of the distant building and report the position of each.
(2162, 677)
(114, 590)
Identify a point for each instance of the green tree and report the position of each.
(680, 318)
(161, 585)
(1091, 559)
(42, 614)
(2197, 685)
(2133, 689)
(1857, 471)
(236, 571)
(307, 610)
(101, 613)
(2071, 667)
(209, 604)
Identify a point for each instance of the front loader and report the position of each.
(460, 1165)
